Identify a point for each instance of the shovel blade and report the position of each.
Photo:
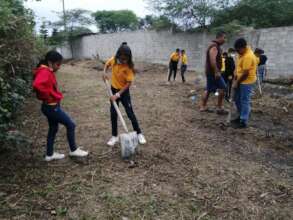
(129, 142)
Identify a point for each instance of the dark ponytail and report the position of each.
(52, 56)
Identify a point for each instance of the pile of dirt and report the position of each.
(142, 67)
(96, 64)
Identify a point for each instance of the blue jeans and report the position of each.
(242, 101)
(56, 116)
(261, 72)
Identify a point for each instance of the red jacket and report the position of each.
(45, 85)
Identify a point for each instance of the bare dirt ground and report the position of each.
(193, 167)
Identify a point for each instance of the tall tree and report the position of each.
(19, 48)
(44, 30)
(77, 22)
(75, 19)
(113, 21)
(258, 13)
(189, 13)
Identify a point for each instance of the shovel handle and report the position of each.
(259, 85)
(116, 106)
(232, 96)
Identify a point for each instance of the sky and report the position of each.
(46, 8)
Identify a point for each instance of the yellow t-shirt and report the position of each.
(121, 74)
(223, 65)
(175, 57)
(184, 59)
(247, 61)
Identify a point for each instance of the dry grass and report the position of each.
(192, 167)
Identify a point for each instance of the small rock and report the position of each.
(263, 195)
(285, 109)
(53, 212)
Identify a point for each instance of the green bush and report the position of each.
(19, 49)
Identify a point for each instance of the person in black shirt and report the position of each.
(262, 69)
(229, 72)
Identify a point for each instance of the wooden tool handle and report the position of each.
(116, 106)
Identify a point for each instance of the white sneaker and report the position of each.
(78, 153)
(114, 140)
(141, 139)
(55, 156)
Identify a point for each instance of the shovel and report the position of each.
(128, 140)
(231, 107)
(259, 84)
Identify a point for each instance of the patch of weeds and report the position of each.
(76, 188)
(61, 211)
(50, 188)
(116, 205)
(152, 207)
(43, 192)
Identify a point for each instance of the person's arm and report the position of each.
(105, 74)
(118, 94)
(108, 65)
(171, 57)
(243, 76)
(42, 85)
(213, 59)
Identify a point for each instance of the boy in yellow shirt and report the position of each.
(244, 81)
(184, 62)
(173, 64)
(122, 76)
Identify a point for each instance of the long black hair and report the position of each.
(125, 50)
(52, 56)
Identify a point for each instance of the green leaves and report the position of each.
(113, 21)
(77, 21)
(190, 14)
(187, 13)
(18, 51)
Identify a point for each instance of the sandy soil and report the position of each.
(193, 166)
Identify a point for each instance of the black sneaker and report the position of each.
(242, 125)
(236, 120)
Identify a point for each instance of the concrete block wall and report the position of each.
(65, 51)
(155, 47)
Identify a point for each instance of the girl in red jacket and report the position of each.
(45, 85)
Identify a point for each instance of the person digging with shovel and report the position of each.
(122, 76)
(244, 81)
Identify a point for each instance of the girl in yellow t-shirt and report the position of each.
(122, 76)
(184, 62)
